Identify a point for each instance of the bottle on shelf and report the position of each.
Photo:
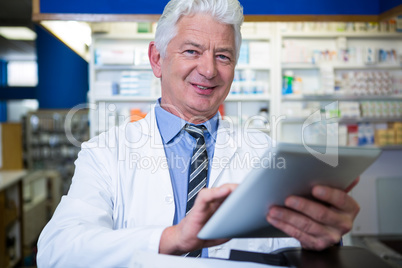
(287, 82)
(298, 85)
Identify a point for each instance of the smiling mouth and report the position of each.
(202, 87)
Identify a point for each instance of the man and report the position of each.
(117, 204)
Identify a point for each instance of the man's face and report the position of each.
(198, 68)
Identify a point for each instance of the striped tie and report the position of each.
(198, 171)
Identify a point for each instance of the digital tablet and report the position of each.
(243, 213)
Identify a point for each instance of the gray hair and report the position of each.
(223, 11)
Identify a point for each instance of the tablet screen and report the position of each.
(243, 213)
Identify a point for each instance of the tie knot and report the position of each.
(195, 131)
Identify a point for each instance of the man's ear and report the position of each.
(155, 59)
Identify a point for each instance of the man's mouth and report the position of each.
(201, 87)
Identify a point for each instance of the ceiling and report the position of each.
(16, 13)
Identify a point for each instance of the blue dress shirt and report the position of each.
(179, 147)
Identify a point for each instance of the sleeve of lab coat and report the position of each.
(80, 233)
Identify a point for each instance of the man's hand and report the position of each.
(182, 238)
(316, 225)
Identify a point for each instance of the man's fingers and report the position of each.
(213, 196)
(318, 212)
(337, 198)
(307, 240)
(316, 224)
(302, 222)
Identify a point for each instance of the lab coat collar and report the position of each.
(225, 146)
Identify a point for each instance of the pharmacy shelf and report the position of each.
(253, 67)
(248, 97)
(379, 66)
(271, 72)
(343, 120)
(391, 147)
(300, 66)
(369, 120)
(255, 37)
(307, 66)
(323, 35)
(265, 72)
(341, 98)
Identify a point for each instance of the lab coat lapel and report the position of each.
(154, 182)
(225, 148)
(156, 150)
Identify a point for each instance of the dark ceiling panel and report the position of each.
(16, 13)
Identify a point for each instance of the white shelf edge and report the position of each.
(390, 147)
(247, 97)
(299, 66)
(252, 37)
(363, 66)
(341, 66)
(253, 67)
(340, 97)
(345, 120)
(340, 34)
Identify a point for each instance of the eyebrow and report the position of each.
(193, 44)
(229, 50)
(220, 50)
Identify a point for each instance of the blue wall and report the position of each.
(62, 74)
(251, 7)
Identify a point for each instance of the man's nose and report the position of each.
(207, 66)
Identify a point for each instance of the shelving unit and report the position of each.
(337, 66)
(336, 97)
(53, 140)
(335, 34)
(239, 107)
(335, 55)
(111, 107)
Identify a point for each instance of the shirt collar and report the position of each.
(170, 125)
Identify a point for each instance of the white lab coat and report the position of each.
(121, 197)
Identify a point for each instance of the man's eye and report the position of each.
(192, 52)
(223, 57)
